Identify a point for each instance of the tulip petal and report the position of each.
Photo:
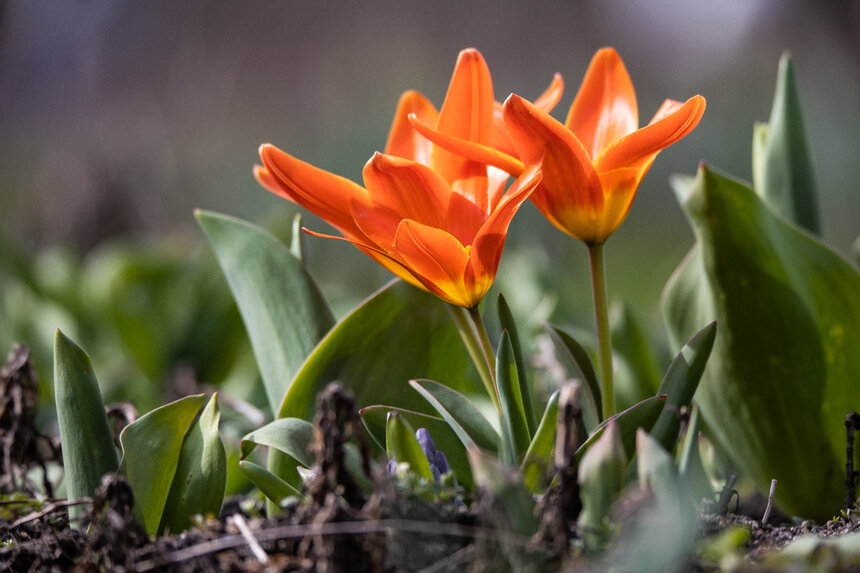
(410, 189)
(377, 254)
(490, 238)
(570, 187)
(619, 186)
(467, 112)
(403, 140)
(438, 260)
(545, 102)
(320, 192)
(639, 148)
(605, 107)
(469, 149)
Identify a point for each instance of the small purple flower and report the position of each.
(438, 462)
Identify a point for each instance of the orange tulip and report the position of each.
(594, 162)
(433, 218)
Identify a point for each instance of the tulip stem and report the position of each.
(475, 338)
(601, 315)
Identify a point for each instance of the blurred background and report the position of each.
(119, 118)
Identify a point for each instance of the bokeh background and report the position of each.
(119, 118)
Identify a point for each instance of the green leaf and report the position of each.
(402, 445)
(399, 334)
(273, 487)
(601, 479)
(576, 361)
(155, 437)
(515, 432)
(539, 456)
(641, 415)
(636, 375)
(783, 174)
(461, 414)
(201, 476)
(88, 449)
(506, 320)
(783, 371)
(290, 436)
(284, 311)
(656, 468)
(506, 486)
(375, 418)
(680, 383)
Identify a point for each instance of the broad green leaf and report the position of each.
(641, 415)
(783, 173)
(515, 431)
(374, 418)
(290, 436)
(539, 456)
(601, 480)
(88, 450)
(273, 487)
(576, 360)
(284, 311)
(198, 486)
(402, 445)
(156, 436)
(680, 383)
(399, 334)
(506, 320)
(636, 375)
(461, 414)
(783, 371)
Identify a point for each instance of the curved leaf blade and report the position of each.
(461, 414)
(157, 435)
(783, 369)
(88, 448)
(284, 311)
(201, 476)
(402, 445)
(539, 456)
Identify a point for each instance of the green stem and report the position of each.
(601, 315)
(475, 338)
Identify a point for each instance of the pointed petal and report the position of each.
(469, 149)
(620, 186)
(403, 140)
(490, 239)
(639, 148)
(377, 254)
(605, 106)
(570, 189)
(467, 112)
(545, 102)
(320, 192)
(437, 259)
(408, 188)
(268, 181)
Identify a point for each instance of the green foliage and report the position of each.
(88, 449)
(201, 474)
(784, 367)
(402, 445)
(601, 478)
(783, 174)
(515, 431)
(398, 334)
(284, 311)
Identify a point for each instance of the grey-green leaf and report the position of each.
(783, 172)
(201, 476)
(88, 448)
(155, 437)
(284, 311)
(460, 413)
(402, 446)
(783, 370)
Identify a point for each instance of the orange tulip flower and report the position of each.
(594, 162)
(431, 217)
